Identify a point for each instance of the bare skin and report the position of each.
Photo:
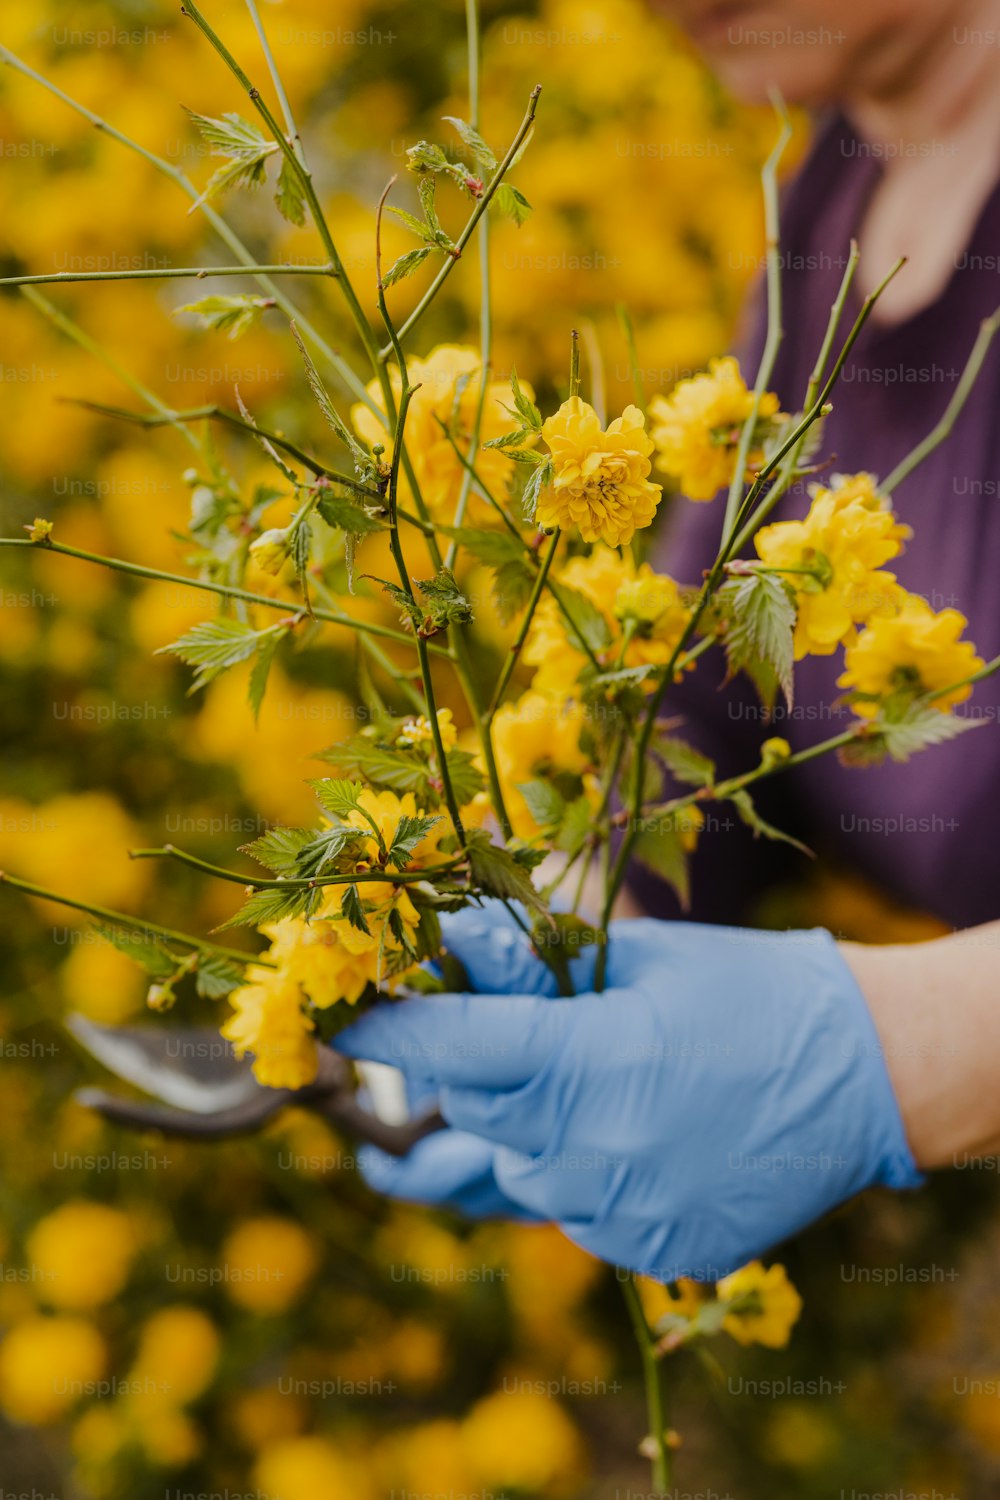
(918, 81)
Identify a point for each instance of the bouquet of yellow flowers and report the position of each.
(519, 783)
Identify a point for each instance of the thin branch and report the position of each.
(54, 278)
(385, 877)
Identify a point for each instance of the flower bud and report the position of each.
(270, 550)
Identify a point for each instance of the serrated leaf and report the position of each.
(512, 203)
(231, 315)
(685, 762)
(491, 547)
(540, 477)
(481, 153)
(213, 646)
(526, 409)
(545, 802)
(326, 406)
(272, 906)
(344, 514)
(760, 614)
(278, 849)
(289, 195)
(244, 145)
(328, 847)
(418, 227)
(744, 805)
(261, 669)
(409, 833)
(466, 779)
(378, 764)
(446, 603)
(497, 873)
(353, 910)
(919, 727)
(216, 977)
(408, 262)
(337, 796)
(158, 962)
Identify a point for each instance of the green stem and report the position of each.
(279, 87)
(398, 877)
(651, 1374)
(481, 206)
(347, 376)
(135, 924)
(524, 627)
(224, 590)
(937, 435)
(198, 272)
(775, 331)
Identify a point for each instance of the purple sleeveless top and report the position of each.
(928, 831)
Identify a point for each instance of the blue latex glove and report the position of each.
(724, 1091)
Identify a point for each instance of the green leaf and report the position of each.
(424, 231)
(383, 767)
(361, 459)
(446, 604)
(660, 849)
(329, 848)
(545, 802)
(744, 805)
(409, 833)
(900, 734)
(216, 977)
(232, 315)
(685, 762)
(490, 547)
(512, 203)
(526, 409)
(261, 669)
(481, 153)
(158, 962)
(588, 623)
(497, 872)
(540, 477)
(466, 779)
(576, 826)
(760, 618)
(353, 910)
(289, 195)
(278, 849)
(408, 262)
(244, 145)
(344, 514)
(337, 796)
(213, 646)
(272, 906)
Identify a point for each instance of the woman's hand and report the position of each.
(725, 1090)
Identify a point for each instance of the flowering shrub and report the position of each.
(456, 483)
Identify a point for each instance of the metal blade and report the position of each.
(189, 1068)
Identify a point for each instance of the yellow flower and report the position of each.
(47, 1365)
(270, 550)
(600, 479)
(40, 530)
(449, 382)
(536, 734)
(764, 1305)
(849, 533)
(521, 1440)
(419, 732)
(269, 1021)
(267, 1263)
(82, 1253)
(913, 651)
(305, 1468)
(648, 603)
(178, 1352)
(698, 427)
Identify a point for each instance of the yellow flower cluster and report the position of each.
(318, 961)
(644, 612)
(600, 480)
(908, 652)
(697, 428)
(833, 560)
(449, 381)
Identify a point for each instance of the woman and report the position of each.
(734, 1085)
